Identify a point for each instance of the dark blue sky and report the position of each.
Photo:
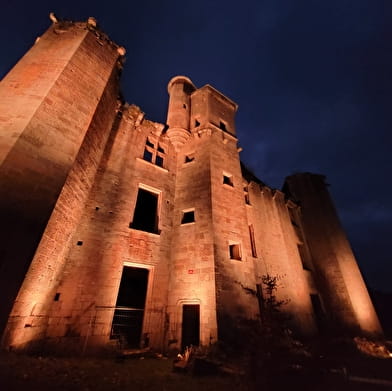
(313, 80)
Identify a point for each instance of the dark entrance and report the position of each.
(128, 315)
(190, 325)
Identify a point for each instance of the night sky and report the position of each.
(313, 81)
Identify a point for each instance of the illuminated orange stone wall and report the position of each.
(72, 164)
(49, 109)
(336, 271)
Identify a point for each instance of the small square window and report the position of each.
(189, 158)
(235, 251)
(188, 217)
(228, 180)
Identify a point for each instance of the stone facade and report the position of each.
(122, 231)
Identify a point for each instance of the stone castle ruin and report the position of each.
(120, 230)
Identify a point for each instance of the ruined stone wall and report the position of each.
(70, 79)
(336, 271)
(277, 254)
(103, 243)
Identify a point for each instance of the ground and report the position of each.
(152, 372)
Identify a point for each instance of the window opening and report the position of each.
(159, 161)
(303, 256)
(56, 297)
(154, 154)
(188, 217)
(145, 217)
(246, 195)
(235, 251)
(222, 126)
(147, 155)
(189, 158)
(252, 241)
(79, 243)
(227, 180)
(197, 123)
(149, 143)
(319, 315)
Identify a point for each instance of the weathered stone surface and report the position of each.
(76, 164)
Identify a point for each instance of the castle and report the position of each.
(117, 228)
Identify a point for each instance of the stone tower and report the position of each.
(58, 105)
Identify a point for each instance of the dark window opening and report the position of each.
(149, 143)
(79, 243)
(97, 208)
(152, 155)
(260, 299)
(235, 251)
(197, 123)
(159, 161)
(147, 155)
(303, 256)
(189, 159)
(246, 195)
(184, 105)
(319, 315)
(252, 241)
(228, 180)
(56, 296)
(145, 217)
(222, 125)
(188, 217)
(129, 312)
(190, 325)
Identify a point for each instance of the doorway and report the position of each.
(129, 312)
(190, 325)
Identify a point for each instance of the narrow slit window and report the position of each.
(235, 251)
(227, 180)
(145, 217)
(252, 241)
(246, 195)
(197, 123)
(222, 126)
(188, 217)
